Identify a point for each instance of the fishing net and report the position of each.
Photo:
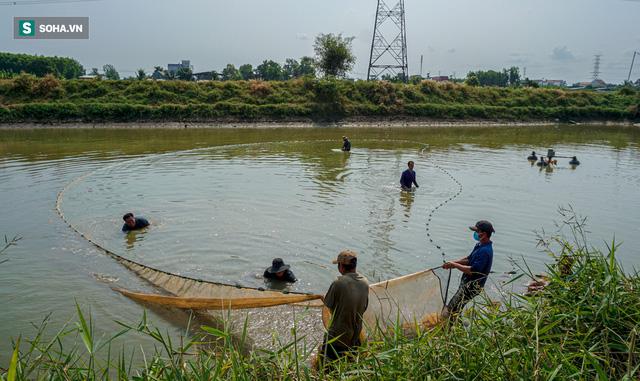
(409, 301)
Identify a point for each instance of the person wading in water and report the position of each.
(408, 178)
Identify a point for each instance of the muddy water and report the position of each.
(224, 202)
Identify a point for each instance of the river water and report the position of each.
(224, 202)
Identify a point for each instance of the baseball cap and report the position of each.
(483, 226)
(346, 257)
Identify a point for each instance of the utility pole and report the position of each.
(389, 43)
(631, 68)
(422, 60)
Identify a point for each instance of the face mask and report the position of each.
(476, 236)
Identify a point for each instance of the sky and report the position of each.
(552, 39)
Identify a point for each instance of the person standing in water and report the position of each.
(408, 178)
(346, 144)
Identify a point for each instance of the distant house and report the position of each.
(173, 68)
(550, 82)
(204, 76)
(88, 77)
(440, 78)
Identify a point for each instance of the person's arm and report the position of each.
(464, 268)
(414, 180)
(452, 264)
(267, 274)
(124, 228)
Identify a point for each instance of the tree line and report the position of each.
(40, 66)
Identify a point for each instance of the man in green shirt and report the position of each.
(347, 299)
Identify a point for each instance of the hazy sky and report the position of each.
(553, 39)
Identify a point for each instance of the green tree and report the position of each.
(141, 75)
(307, 67)
(158, 72)
(490, 77)
(514, 76)
(94, 71)
(334, 56)
(230, 73)
(291, 68)
(110, 72)
(270, 71)
(40, 66)
(246, 72)
(184, 74)
(472, 79)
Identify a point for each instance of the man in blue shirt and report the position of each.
(408, 178)
(133, 223)
(475, 267)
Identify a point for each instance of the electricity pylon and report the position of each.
(389, 44)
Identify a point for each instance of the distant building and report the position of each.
(204, 76)
(440, 78)
(550, 82)
(595, 84)
(185, 64)
(88, 76)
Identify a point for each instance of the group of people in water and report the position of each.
(548, 161)
(348, 296)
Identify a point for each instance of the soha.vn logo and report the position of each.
(27, 28)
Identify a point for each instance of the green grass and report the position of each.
(27, 98)
(583, 326)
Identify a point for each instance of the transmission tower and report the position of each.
(389, 44)
(596, 66)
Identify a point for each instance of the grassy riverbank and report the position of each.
(584, 325)
(46, 100)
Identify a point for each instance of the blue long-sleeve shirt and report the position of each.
(408, 178)
(480, 260)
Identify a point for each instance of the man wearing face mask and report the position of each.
(475, 267)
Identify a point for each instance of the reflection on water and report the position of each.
(223, 213)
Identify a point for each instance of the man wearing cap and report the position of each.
(475, 267)
(347, 299)
(279, 271)
(346, 144)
